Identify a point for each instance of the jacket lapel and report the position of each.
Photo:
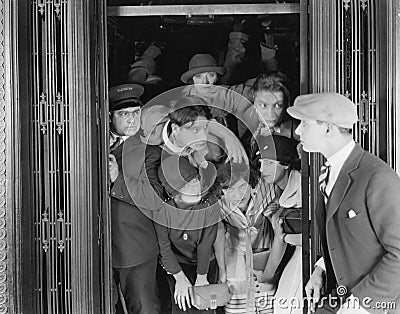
(343, 181)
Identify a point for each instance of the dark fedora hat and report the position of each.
(201, 63)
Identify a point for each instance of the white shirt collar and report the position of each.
(175, 149)
(337, 159)
(336, 162)
(114, 137)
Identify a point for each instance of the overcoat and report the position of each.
(362, 223)
(134, 195)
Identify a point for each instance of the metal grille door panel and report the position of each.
(51, 157)
(357, 66)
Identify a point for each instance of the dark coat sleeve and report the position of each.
(168, 260)
(144, 191)
(207, 239)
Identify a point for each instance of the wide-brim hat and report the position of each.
(201, 63)
(125, 96)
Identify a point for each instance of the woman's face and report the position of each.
(209, 78)
(191, 192)
(238, 195)
(193, 135)
(203, 81)
(270, 107)
(271, 170)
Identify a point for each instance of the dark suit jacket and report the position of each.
(365, 249)
(133, 197)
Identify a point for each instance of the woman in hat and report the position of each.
(254, 242)
(202, 75)
(280, 165)
(248, 229)
(186, 229)
(260, 106)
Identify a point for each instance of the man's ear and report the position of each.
(174, 127)
(328, 128)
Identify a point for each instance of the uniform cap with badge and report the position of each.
(325, 107)
(125, 96)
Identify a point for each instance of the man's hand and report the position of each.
(113, 167)
(235, 150)
(271, 209)
(261, 278)
(182, 294)
(314, 288)
(201, 280)
(277, 223)
(197, 158)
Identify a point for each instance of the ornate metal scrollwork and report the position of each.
(51, 157)
(358, 66)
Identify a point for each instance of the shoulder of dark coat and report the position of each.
(374, 166)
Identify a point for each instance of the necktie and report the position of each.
(117, 142)
(323, 179)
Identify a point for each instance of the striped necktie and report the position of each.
(323, 179)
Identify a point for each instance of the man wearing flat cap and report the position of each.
(357, 214)
(134, 242)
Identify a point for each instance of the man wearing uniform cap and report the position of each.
(357, 213)
(134, 242)
(125, 108)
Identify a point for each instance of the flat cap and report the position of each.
(125, 96)
(327, 107)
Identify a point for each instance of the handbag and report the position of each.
(260, 258)
(291, 220)
(210, 296)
